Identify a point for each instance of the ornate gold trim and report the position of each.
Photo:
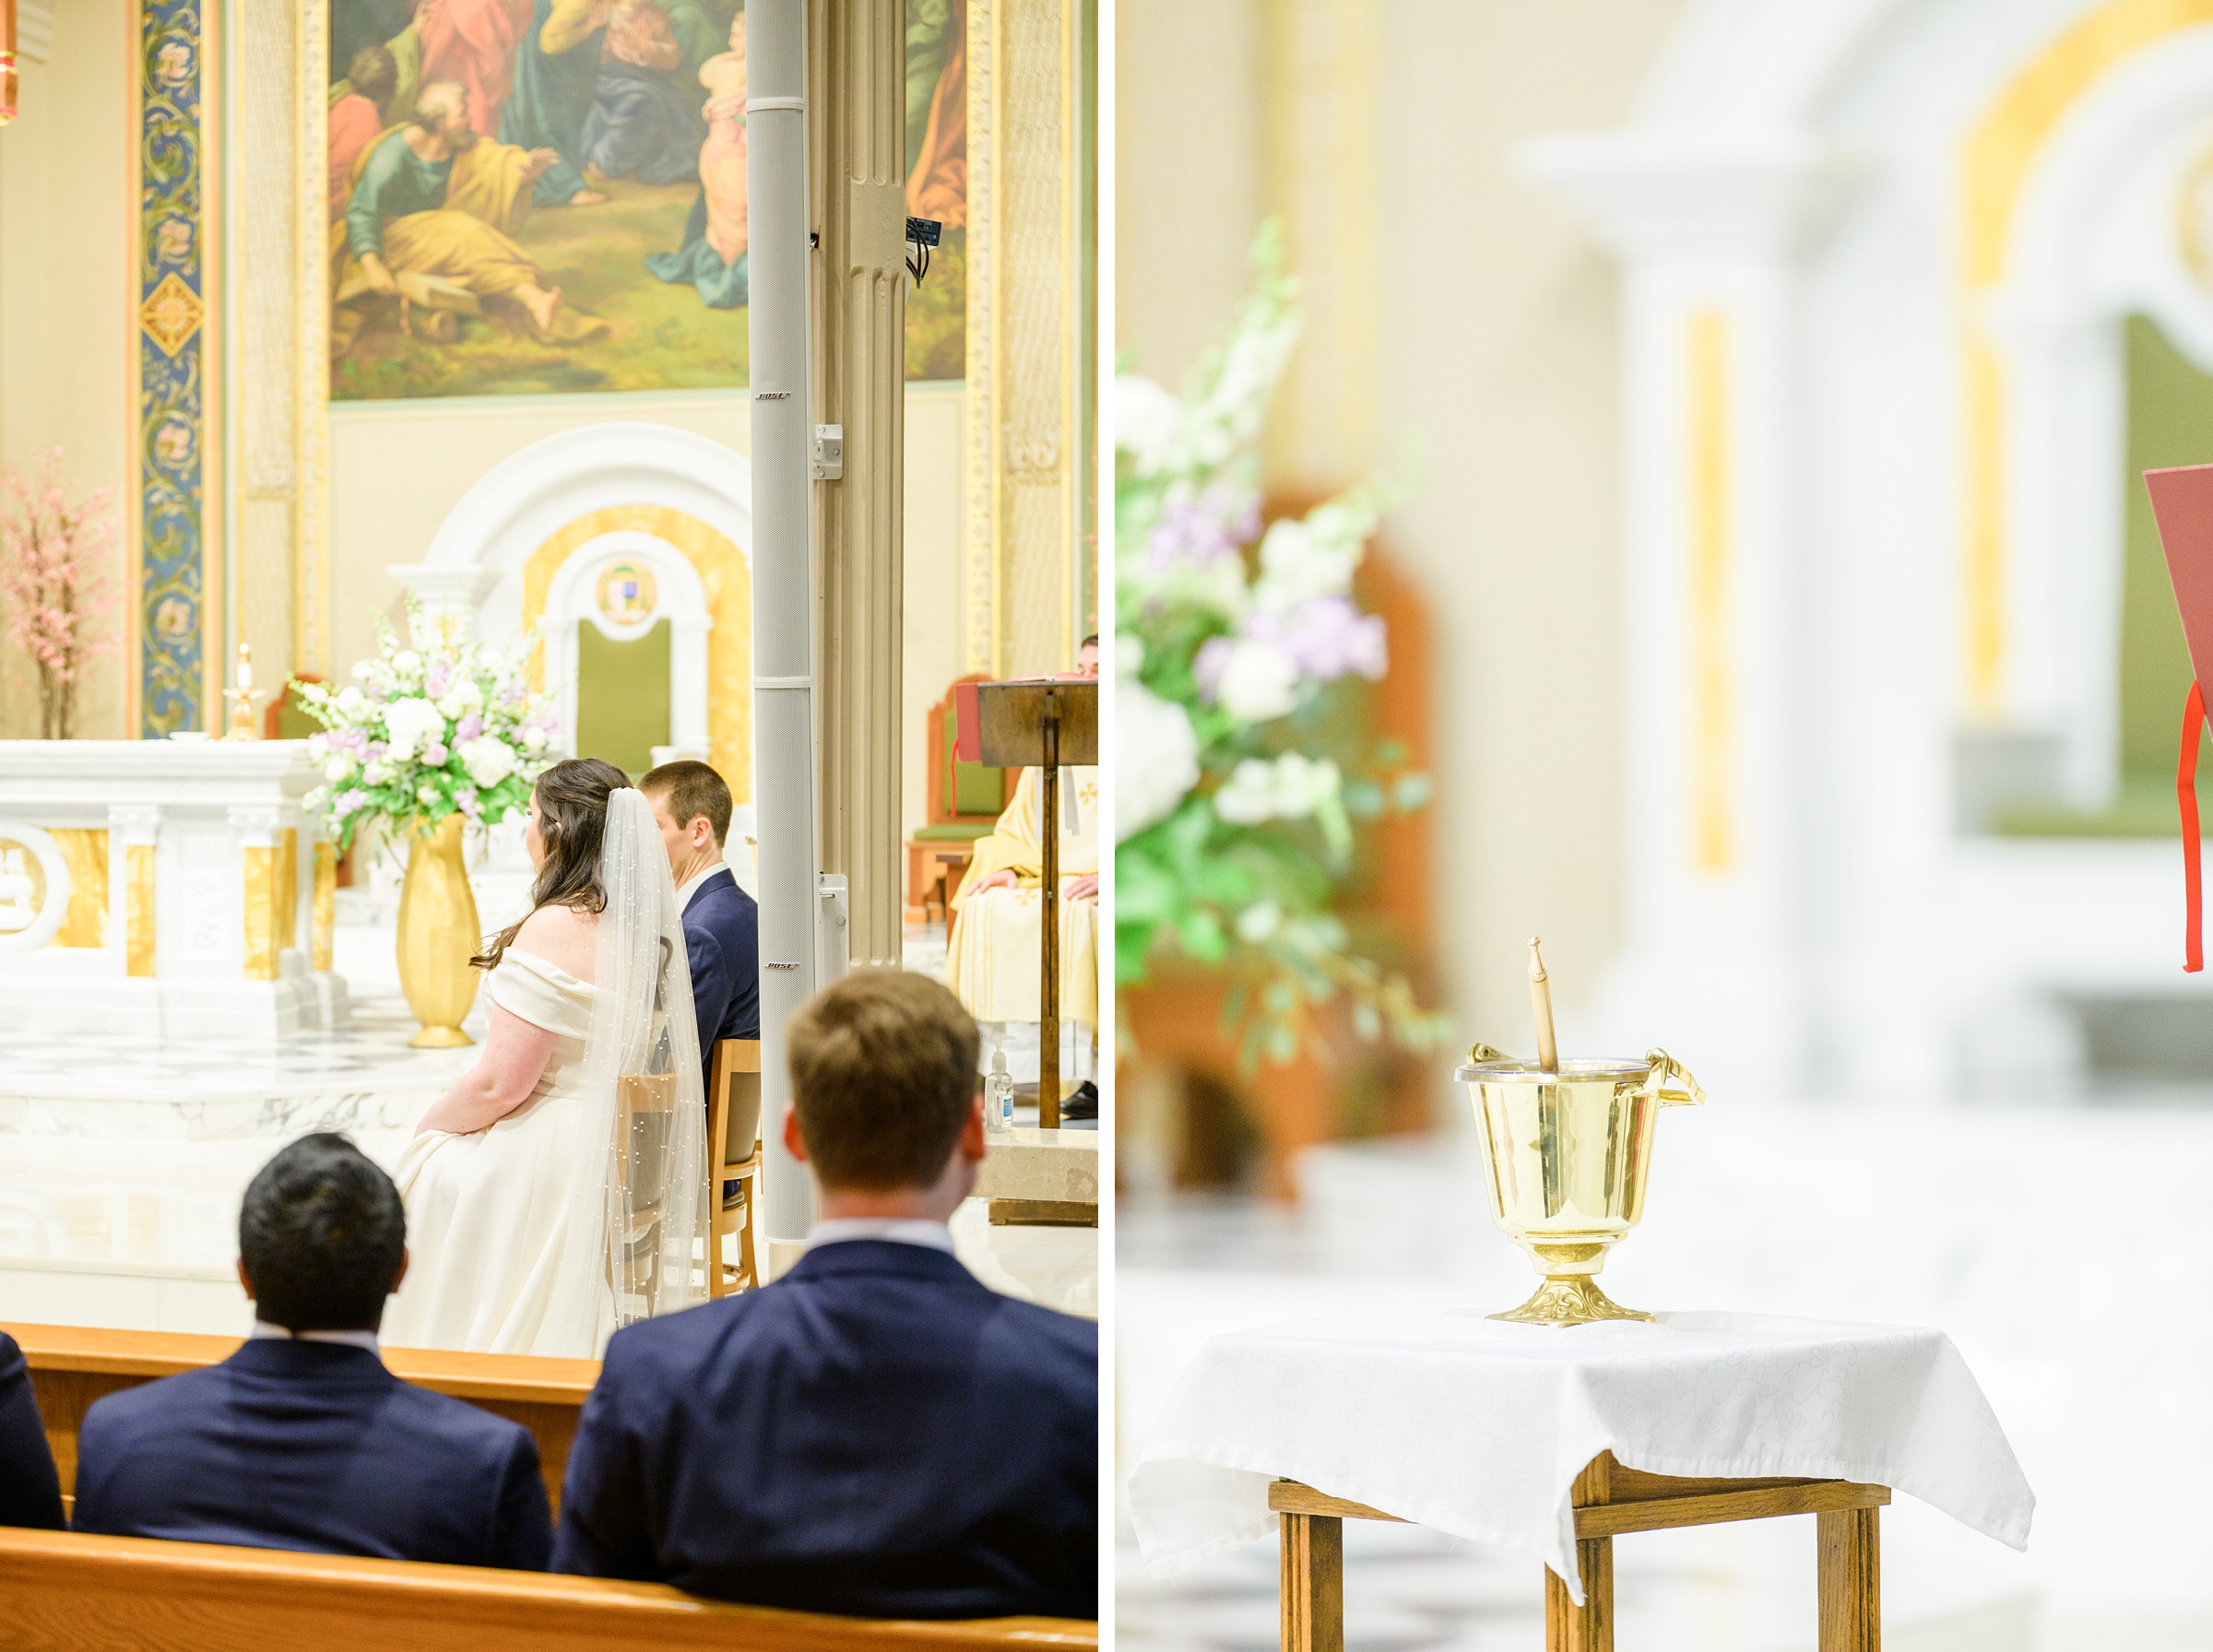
(312, 582)
(979, 575)
(1712, 685)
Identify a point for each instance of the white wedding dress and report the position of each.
(487, 1213)
(585, 1207)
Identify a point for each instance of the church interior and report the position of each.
(1777, 611)
(353, 330)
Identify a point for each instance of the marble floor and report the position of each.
(2062, 1249)
(122, 1160)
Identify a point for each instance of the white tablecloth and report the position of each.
(1479, 1427)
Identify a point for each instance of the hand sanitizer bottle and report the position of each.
(999, 1094)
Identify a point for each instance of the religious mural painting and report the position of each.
(534, 196)
(937, 183)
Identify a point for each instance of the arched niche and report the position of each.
(528, 544)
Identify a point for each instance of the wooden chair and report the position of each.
(733, 1154)
(966, 800)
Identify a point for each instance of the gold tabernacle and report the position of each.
(1565, 1154)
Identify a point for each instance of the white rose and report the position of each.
(489, 759)
(426, 794)
(533, 738)
(1259, 681)
(1156, 757)
(462, 699)
(351, 701)
(414, 723)
(1145, 420)
(407, 662)
(376, 773)
(1287, 789)
(318, 747)
(1298, 563)
(340, 766)
(361, 671)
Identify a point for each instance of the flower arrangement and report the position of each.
(1232, 839)
(441, 726)
(52, 585)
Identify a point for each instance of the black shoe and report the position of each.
(733, 1192)
(1082, 1103)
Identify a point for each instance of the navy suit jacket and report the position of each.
(315, 1447)
(722, 933)
(29, 1494)
(875, 1433)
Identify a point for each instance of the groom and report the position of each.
(722, 926)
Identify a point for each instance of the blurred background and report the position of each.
(1777, 617)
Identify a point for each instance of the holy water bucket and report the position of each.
(1566, 1155)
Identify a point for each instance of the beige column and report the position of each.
(1029, 336)
(268, 136)
(136, 827)
(855, 125)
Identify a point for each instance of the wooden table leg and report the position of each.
(1312, 1585)
(1850, 1580)
(1588, 1627)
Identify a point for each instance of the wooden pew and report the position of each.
(73, 1365)
(72, 1592)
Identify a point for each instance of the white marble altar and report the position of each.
(163, 889)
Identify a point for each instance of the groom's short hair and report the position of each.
(884, 1077)
(691, 789)
(320, 1234)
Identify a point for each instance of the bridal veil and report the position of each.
(637, 1210)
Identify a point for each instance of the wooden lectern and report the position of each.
(1038, 723)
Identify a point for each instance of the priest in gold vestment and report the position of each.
(992, 955)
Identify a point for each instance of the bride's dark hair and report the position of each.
(572, 821)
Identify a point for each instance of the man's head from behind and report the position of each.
(692, 804)
(883, 1084)
(322, 1237)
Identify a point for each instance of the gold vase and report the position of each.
(438, 934)
(1565, 1154)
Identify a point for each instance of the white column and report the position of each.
(1715, 964)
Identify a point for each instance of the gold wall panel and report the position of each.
(84, 849)
(141, 910)
(262, 907)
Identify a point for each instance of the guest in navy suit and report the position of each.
(302, 1439)
(876, 1432)
(722, 926)
(29, 1493)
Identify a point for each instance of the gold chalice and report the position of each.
(1566, 1146)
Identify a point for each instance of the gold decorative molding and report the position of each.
(1712, 683)
(980, 563)
(171, 313)
(263, 909)
(312, 574)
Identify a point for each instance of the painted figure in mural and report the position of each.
(473, 42)
(356, 118)
(713, 256)
(358, 23)
(556, 78)
(645, 122)
(430, 219)
(937, 111)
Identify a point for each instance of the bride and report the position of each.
(557, 1192)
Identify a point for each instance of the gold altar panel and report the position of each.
(85, 848)
(261, 910)
(326, 902)
(729, 584)
(141, 960)
(288, 888)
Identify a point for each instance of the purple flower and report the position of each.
(469, 730)
(1204, 530)
(348, 801)
(441, 679)
(1325, 636)
(434, 755)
